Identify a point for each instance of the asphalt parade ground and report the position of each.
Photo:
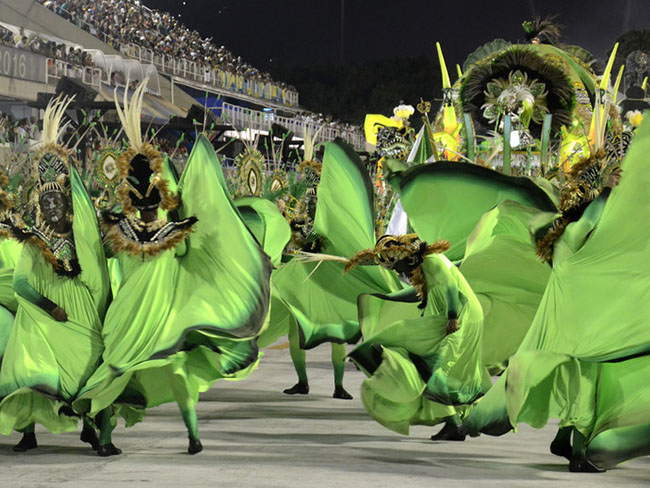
(255, 436)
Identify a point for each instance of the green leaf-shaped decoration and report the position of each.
(537, 88)
(518, 77)
(494, 88)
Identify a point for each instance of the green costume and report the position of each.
(577, 362)
(418, 372)
(488, 215)
(9, 252)
(322, 299)
(272, 231)
(48, 361)
(188, 308)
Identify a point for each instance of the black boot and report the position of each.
(583, 465)
(195, 446)
(26, 443)
(89, 436)
(450, 432)
(106, 450)
(562, 449)
(299, 388)
(339, 392)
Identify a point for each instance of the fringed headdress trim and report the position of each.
(169, 200)
(403, 254)
(584, 184)
(130, 118)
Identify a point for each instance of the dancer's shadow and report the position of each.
(55, 454)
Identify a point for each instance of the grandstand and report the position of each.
(43, 44)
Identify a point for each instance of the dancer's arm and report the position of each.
(453, 305)
(24, 289)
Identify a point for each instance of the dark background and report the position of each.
(388, 50)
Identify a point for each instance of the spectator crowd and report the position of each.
(36, 44)
(122, 22)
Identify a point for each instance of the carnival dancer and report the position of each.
(188, 307)
(584, 359)
(62, 287)
(421, 350)
(324, 303)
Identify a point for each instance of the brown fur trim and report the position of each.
(169, 200)
(367, 256)
(119, 243)
(596, 158)
(545, 245)
(6, 202)
(438, 247)
(315, 166)
(418, 282)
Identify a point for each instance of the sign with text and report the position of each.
(24, 65)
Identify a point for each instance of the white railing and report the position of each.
(212, 76)
(241, 118)
(57, 68)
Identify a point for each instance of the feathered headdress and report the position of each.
(51, 170)
(584, 183)
(141, 165)
(403, 254)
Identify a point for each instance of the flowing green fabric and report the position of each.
(267, 224)
(506, 275)
(594, 310)
(418, 373)
(272, 231)
(8, 302)
(446, 200)
(191, 312)
(320, 296)
(47, 362)
(9, 253)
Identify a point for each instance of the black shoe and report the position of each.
(195, 446)
(26, 443)
(108, 450)
(583, 465)
(298, 389)
(89, 436)
(562, 449)
(339, 392)
(450, 432)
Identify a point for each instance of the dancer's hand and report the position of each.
(59, 314)
(452, 326)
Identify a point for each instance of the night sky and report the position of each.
(298, 32)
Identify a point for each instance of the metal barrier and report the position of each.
(57, 68)
(252, 119)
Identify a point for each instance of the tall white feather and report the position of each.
(130, 115)
(54, 112)
(309, 144)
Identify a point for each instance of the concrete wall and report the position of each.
(21, 89)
